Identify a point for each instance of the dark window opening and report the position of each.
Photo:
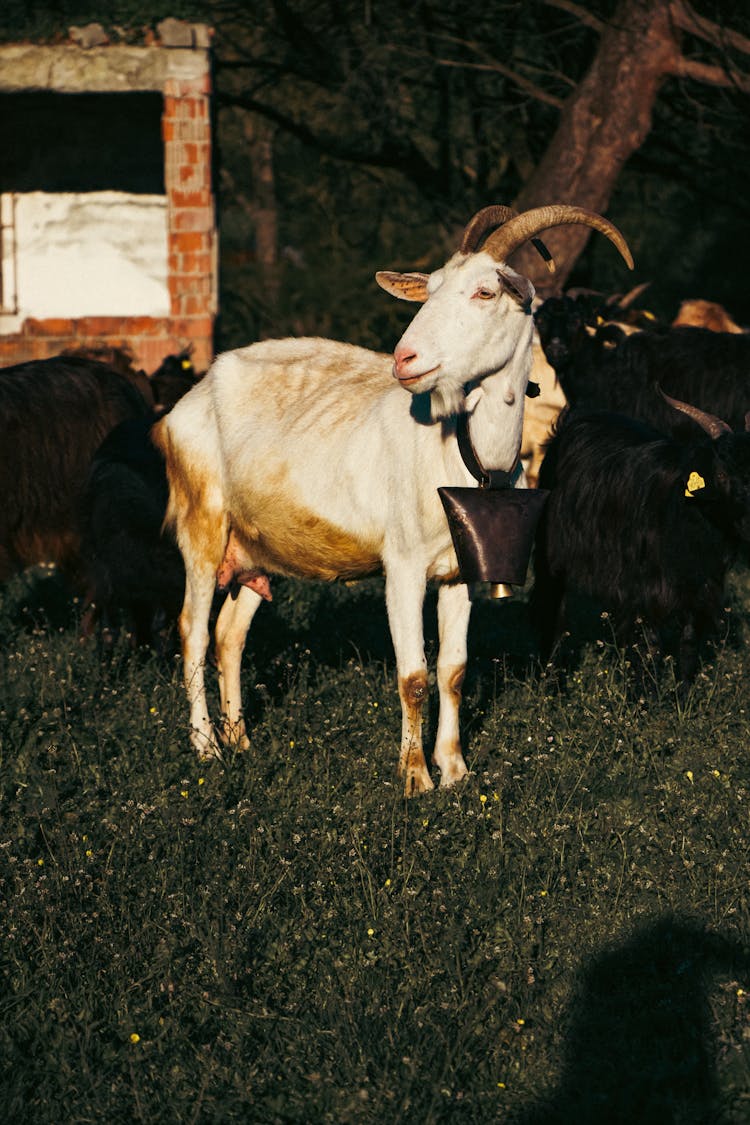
(81, 142)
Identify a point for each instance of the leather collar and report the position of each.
(495, 478)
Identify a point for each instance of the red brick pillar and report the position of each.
(186, 128)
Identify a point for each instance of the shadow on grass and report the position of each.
(639, 1047)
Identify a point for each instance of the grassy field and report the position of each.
(283, 938)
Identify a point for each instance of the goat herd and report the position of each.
(304, 457)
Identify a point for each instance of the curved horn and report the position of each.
(712, 425)
(523, 227)
(489, 219)
(632, 296)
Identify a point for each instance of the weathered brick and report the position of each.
(193, 327)
(57, 326)
(102, 326)
(194, 198)
(143, 325)
(185, 241)
(192, 219)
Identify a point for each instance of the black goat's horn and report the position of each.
(712, 425)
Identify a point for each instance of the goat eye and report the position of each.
(484, 294)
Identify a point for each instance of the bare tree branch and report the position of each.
(721, 37)
(391, 153)
(513, 76)
(580, 13)
(489, 64)
(684, 17)
(711, 75)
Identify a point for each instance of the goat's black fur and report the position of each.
(133, 566)
(612, 371)
(619, 527)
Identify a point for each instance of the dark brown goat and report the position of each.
(54, 414)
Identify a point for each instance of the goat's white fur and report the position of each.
(317, 461)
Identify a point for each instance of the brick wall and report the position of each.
(191, 254)
(186, 131)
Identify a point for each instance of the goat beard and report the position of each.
(447, 400)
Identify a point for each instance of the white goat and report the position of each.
(304, 457)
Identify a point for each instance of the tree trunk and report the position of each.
(603, 122)
(264, 208)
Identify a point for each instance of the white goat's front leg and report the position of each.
(196, 608)
(231, 631)
(404, 595)
(454, 610)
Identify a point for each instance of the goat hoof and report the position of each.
(417, 782)
(452, 774)
(205, 747)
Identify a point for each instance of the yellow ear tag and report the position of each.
(695, 484)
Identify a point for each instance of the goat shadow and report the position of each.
(639, 1046)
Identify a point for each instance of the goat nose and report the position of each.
(403, 356)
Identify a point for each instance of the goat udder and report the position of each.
(235, 572)
(257, 580)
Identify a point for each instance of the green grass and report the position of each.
(283, 938)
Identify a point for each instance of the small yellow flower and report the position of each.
(370, 932)
(483, 798)
(135, 1037)
(501, 1085)
(40, 862)
(387, 882)
(520, 1022)
(183, 792)
(425, 822)
(542, 894)
(201, 780)
(689, 776)
(89, 852)
(291, 743)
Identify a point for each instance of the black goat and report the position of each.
(174, 377)
(612, 371)
(132, 566)
(645, 524)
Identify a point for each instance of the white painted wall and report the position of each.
(95, 254)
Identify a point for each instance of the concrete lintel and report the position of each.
(74, 70)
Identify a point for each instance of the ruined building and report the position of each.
(107, 218)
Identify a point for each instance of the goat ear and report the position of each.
(517, 287)
(405, 286)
